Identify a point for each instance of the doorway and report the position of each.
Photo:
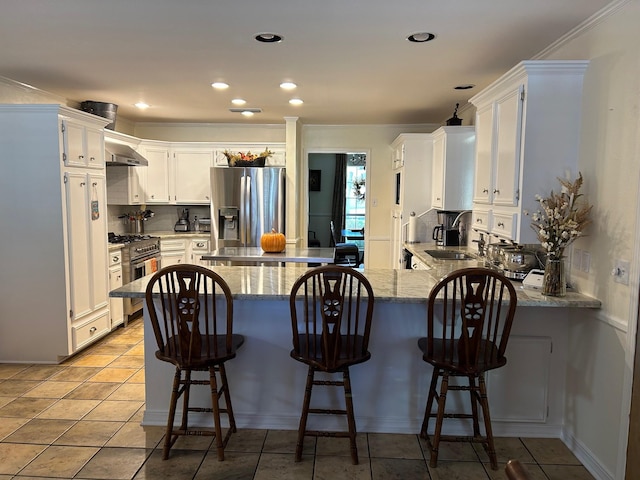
(337, 191)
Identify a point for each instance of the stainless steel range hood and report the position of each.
(119, 154)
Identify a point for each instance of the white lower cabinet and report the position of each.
(173, 252)
(199, 247)
(116, 305)
(85, 333)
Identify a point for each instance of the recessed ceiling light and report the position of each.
(220, 85)
(421, 37)
(296, 101)
(238, 101)
(142, 105)
(467, 86)
(247, 113)
(268, 37)
(288, 85)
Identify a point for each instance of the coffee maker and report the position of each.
(446, 234)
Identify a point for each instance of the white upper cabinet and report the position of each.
(192, 167)
(156, 188)
(83, 145)
(527, 135)
(453, 168)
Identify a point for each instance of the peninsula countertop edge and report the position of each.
(392, 286)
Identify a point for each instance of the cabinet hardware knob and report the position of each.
(93, 330)
(94, 184)
(485, 190)
(478, 220)
(91, 159)
(82, 184)
(501, 224)
(80, 157)
(496, 191)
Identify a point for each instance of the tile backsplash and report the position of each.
(165, 216)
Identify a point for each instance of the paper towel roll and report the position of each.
(412, 236)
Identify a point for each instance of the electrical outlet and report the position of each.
(576, 259)
(585, 261)
(621, 272)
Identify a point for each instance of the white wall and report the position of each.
(601, 349)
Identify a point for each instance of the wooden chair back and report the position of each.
(469, 318)
(331, 313)
(191, 312)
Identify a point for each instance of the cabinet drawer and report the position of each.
(504, 225)
(173, 244)
(88, 332)
(115, 258)
(480, 220)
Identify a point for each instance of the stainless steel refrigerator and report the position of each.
(245, 203)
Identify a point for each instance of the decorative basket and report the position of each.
(246, 160)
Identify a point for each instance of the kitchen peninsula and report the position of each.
(267, 386)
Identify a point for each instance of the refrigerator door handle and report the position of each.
(242, 221)
(247, 209)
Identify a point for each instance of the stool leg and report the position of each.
(215, 398)
(442, 400)
(351, 421)
(475, 399)
(305, 412)
(227, 397)
(491, 449)
(430, 398)
(186, 391)
(172, 414)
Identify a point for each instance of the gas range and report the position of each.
(128, 238)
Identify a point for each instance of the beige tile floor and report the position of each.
(81, 420)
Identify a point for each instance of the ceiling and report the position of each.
(350, 58)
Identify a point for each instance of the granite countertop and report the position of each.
(256, 254)
(400, 286)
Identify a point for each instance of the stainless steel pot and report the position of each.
(518, 261)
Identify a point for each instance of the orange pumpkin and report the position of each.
(273, 242)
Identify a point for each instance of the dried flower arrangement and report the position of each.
(562, 219)
(242, 159)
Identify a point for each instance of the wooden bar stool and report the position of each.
(191, 312)
(331, 312)
(469, 317)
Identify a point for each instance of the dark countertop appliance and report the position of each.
(446, 234)
(182, 225)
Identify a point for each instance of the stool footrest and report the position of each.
(327, 411)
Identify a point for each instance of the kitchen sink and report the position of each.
(449, 255)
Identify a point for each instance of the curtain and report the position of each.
(339, 189)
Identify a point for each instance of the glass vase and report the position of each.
(554, 282)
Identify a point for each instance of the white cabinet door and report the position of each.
(173, 251)
(396, 240)
(97, 219)
(157, 175)
(173, 258)
(483, 180)
(115, 304)
(507, 161)
(78, 213)
(83, 145)
(87, 231)
(198, 248)
(192, 176)
(437, 186)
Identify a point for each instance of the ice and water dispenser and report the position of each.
(228, 228)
